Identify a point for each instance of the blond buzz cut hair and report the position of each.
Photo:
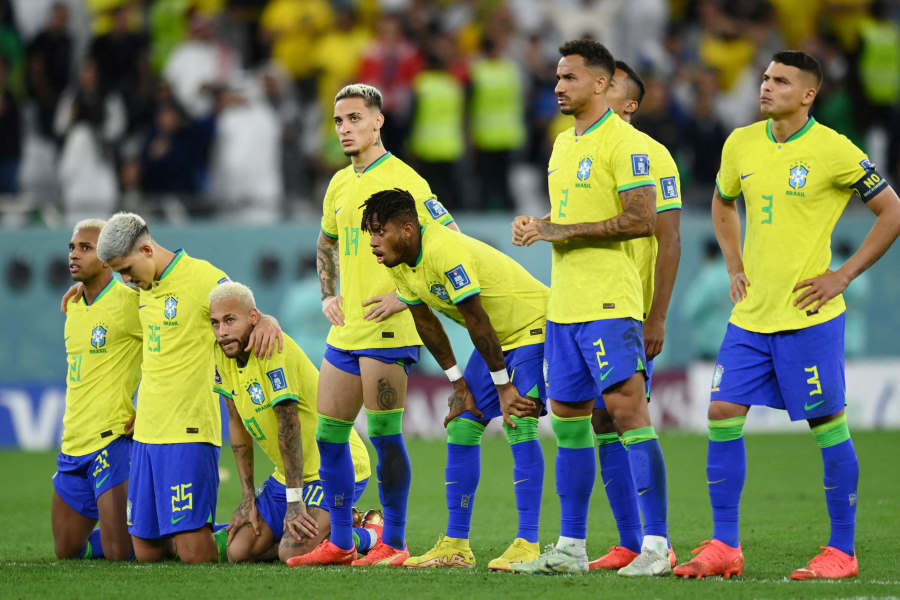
(88, 224)
(233, 289)
(370, 94)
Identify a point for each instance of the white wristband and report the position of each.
(500, 377)
(453, 373)
(293, 494)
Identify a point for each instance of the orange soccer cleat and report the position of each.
(830, 564)
(712, 558)
(382, 555)
(325, 553)
(616, 557)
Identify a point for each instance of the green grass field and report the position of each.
(783, 518)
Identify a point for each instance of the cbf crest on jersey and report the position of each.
(584, 169)
(171, 307)
(256, 393)
(98, 337)
(717, 377)
(440, 291)
(798, 173)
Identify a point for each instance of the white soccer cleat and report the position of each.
(648, 563)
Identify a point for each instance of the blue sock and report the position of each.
(461, 480)
(394, 472)
(648, 469)
(528, 474)
(841, 480)
(726, 470)
(576, 469)
(336, 471)
(615, 472)
(93, 548)
(362, 539)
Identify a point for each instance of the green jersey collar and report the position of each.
(596, 124)
(102, 293)
(796, 135)
(178, 254)
(421, 245)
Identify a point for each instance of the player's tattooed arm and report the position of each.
(327, 266)
(297, 520)
(242, 446)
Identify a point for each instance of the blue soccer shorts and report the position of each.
(80, 480)
(800, 371)
(173, 488)
(525, 367)
(271, 501)
(348, 360)
(585, 359)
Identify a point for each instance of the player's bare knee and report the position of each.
(117, 550)
(720, 410)
(602, 422)
(65, 549)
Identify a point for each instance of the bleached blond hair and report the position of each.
(121, 235)
(233, 289)
(88, 224)
(370, 94)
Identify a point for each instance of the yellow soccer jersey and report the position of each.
(175, 402)
(595, 280)
(453, 266)
(361, 275)
(668, 197)
(103, 346)
(260, 385)
(794, 192)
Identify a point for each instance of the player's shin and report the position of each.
(462, 474)
(648, 468)
(615, 472)
(528, 474)
(726, 470)
(841, 479)
(394, 473)
(576, 469)
(336, 470)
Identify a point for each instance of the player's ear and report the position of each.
(379, 119)
(810, 96)
(254, 316)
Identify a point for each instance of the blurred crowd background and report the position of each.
(188, 109)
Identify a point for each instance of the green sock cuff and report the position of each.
(832, 433)
(335, 431)
(464, 432)
(525, 431)
(636, 436)
(605, 439)
(726, 430)
(573, 432)
(385, 422)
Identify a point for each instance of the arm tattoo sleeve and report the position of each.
(327, 263)
(289, 442)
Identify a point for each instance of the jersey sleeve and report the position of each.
(329, 218)
(631, 162)
(728, 179)
(221, 384)
(281, 378)
(668, 183)
(853, 170)
(130, 317)
(456, 268)
(428, 206)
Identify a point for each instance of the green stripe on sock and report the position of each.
(573, 432)
(525, 431)
(336, 431)
(385, 422)
(605, 439)
(726, 430)
(464, 432)
(88, 552)
(636, 436)
(832, 433)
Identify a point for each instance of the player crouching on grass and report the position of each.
(273, 400)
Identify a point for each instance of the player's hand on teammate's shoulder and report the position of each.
(265, 337)
(460, 401)
(383, 307)
(298, 522)
(737, 287)
(73, 293)
(332, 308)
(245, 513)
(820, 290)
(513, 404)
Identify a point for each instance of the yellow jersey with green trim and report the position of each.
(263, 383)
(593, 280)
(453, 266)
(103, 350)
(176, 403)
(794, 192)
(644, 250)
(361, 276)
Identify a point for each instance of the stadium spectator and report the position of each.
(48, 65)
(707, 132)
(10, 134)
(11, 49)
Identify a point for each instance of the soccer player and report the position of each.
(503, 307)
(174, 476)
(369, 350)
(273, 401)
(657, 259)
(103, 347)
(601, 195)
(784, 346)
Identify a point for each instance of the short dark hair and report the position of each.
(593, 52)
(802, 61)
(386, 205)
(635, 79)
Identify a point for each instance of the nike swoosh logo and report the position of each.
(642, 492)
(99, 483)
(519, 481)
(743, 177)
(140, 306)
(67, 338)
(447, 482)
(606, 483)
(605, 375)
(832, 487)
(812, 406)
(174, 520)
(338, 210)
(716, 481)
(551, 171)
